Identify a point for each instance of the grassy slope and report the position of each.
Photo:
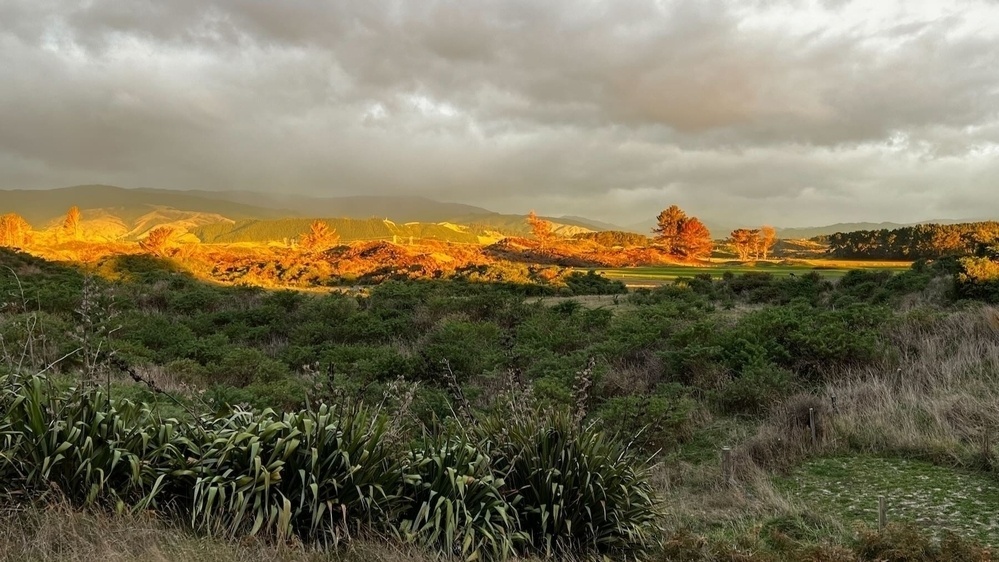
(349, 230)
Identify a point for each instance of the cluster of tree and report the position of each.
(16, 232)
(753, 243)
(924, 241)
(682, 236)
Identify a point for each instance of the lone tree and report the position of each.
(680, 235)
(768, 237)
(667, 228)
(71, 225)
(319, 238)
(14, 230)
(157, 241)
(540, 229)
(694, 240)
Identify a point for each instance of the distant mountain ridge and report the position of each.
(125, 213)
(129, 213)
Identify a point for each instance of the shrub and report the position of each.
(754, 389)
(897, 543)
(310, 473)
(470, 348)
(575, 489)
(592, 283)
(978, 278)
(242, 366)
(456, 503)
(653, 421)
(83, 446)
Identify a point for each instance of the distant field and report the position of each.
(657, 275)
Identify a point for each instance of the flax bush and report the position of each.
(576, 489)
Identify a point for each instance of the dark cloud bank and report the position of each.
(790, 113)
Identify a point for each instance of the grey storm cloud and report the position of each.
(743, 112)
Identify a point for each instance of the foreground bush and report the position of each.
(457, 505)
(314, 474)
(575, 489)
(534, 484)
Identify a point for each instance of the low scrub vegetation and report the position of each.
(471, 420)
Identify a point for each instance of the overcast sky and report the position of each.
(792, 113)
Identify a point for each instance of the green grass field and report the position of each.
(940, 498)
(657, 275)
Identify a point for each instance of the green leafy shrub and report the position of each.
(470, 348)
(592, 283)
(754, 389)
(242, 366)
(655, 421)
(84, 446)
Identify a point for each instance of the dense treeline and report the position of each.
(925, 241)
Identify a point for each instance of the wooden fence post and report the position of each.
(726, 459)
(882, 514)
(811, 424)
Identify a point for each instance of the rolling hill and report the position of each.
(118, 213)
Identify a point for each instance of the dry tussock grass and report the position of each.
(936, 398)
(58, 533)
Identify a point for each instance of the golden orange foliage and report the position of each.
(320, 237)
(14, 230)
(71, 224)
(157, 241)
(682, 236)
(540, 229)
